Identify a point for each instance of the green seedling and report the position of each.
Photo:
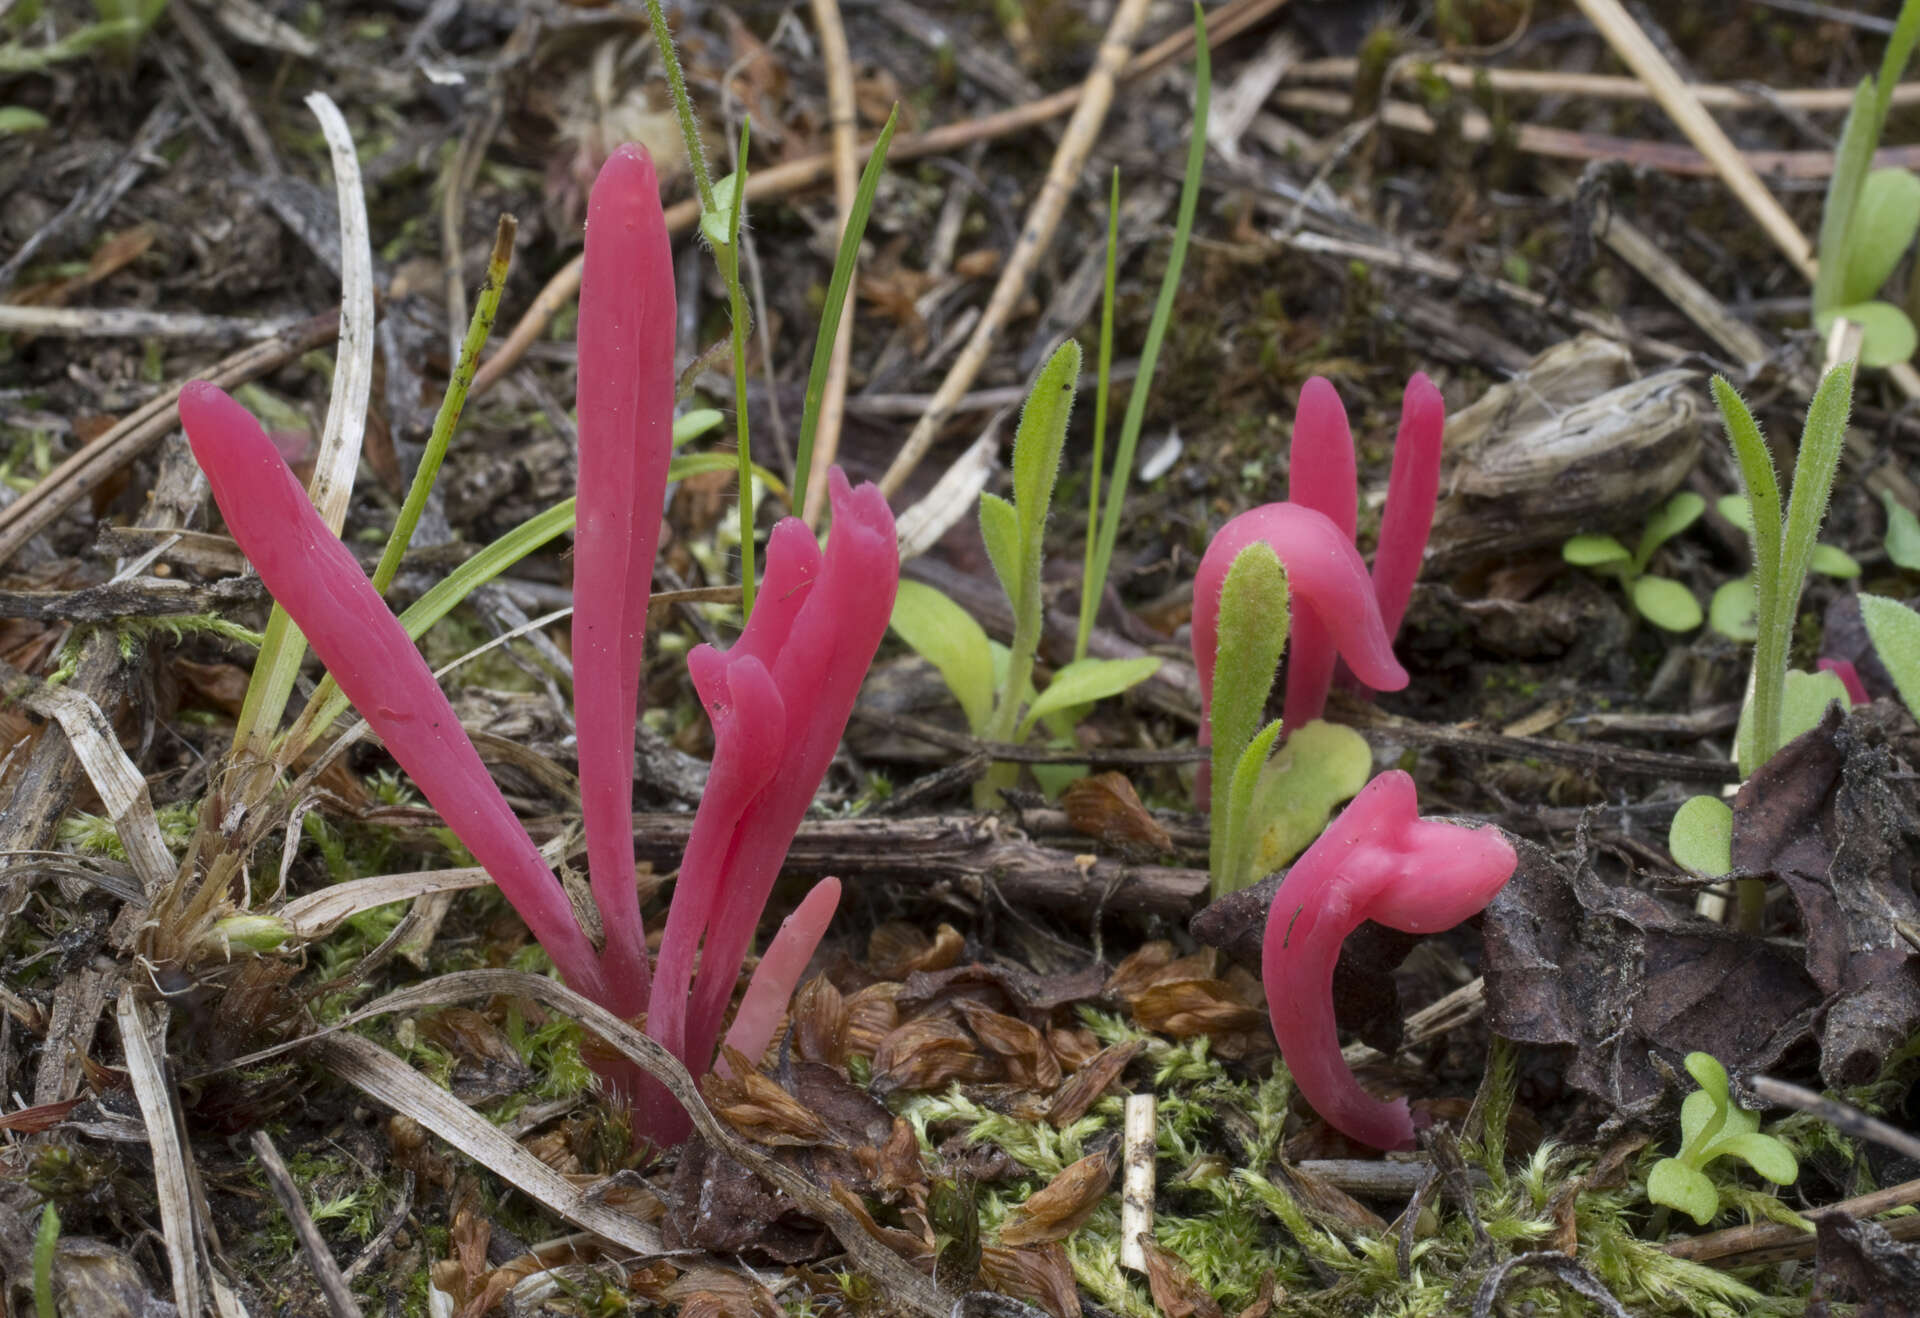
(994, 686)
(1660, 600)
(1903, 533)
(1713, 1126)
(1895, 631)
(1733, 609)
(1871, 216)
(46, 1245)
(1103, 529)
(1783, 545)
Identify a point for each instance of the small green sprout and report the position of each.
(994, 684)
(1712, 1125)
(1662, 601)
(1734, 609)
(1871, 215)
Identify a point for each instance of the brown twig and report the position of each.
(1036, 235)
(94, 462)
(333, 1285)
(846, 183)
(1777, 1241)
(1223, 24)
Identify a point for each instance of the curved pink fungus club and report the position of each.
(1378, 861)
(1322, 481)
(1324, 574)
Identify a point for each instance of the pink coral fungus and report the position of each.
(779, 699)
(1344, 611)
(1378, 861)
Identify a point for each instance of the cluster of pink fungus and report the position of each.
(779, 699)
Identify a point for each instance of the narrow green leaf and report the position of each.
(1086, 680)
(46, 1247)
(1763, 500)
(1666, 604)
(729, 258)
(479, 326)
(700, 464)
(1252, 633)
(1594, 551)
(844, 262)
(1000, 528)
(695, 423)
(1701, 835)
(1893, 61)
(19, 119)
(1103, 387)
(1903, 533)
(1895, 632)
(1038, 443)
(1852, 160)
(328, 704)
(1237, 872)
(1162, 315)
(946, 635)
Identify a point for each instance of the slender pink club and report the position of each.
(626, 398)
(1321, 476)
(1326, 579)
(1849, 678)
(778, 974)
(1378, 861)
(314, 577)
(1413, 491)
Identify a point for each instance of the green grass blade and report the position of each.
(844, 262)
(486, 306)
(1852, 161)
(737, 314)
(1893, 62)
(1162, 314)
(328, 703)
(1103, 385)
(1763, 503)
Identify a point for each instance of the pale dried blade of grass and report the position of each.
(889, 1271)
(389, 1081)
(1139, 1147)
(953, 497)
(122, 789)
(172, 1187)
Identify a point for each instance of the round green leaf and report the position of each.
(1594, 551)
(1669, 520)
(1884, 221)
(1895, 631)
(1763, 1153)
(1734, 611)
(1903, 533)
(19, 119)
(1666, 604)
(1832, 561)
(1673, 1183)
(1701, 835)
(947, 636)
(1736, 509)
(1887, 336)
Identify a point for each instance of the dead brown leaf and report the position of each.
(756, 1106)
(1175, 1292)
(819, 1016)
(1057, 1209)
(897, 949)
(927, 1053)
(1105, 806)
(871, 1017)
(1021, 1049)
(707, 1292)
(1083, 1090)
(1041, 1276)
